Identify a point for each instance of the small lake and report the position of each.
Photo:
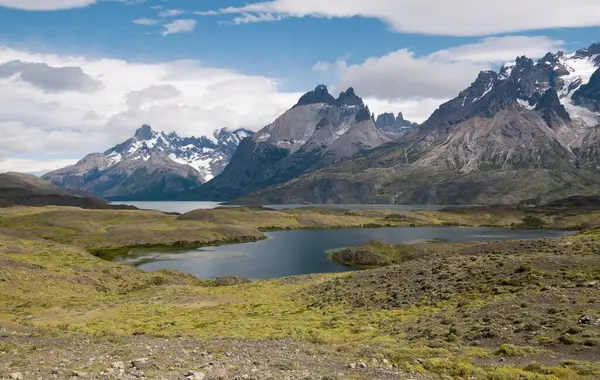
(305, 251)
(183, 207)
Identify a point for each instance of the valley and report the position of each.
(433, 308)
(299, 190)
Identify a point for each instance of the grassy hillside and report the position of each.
(508, 310)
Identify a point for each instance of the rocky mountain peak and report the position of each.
(550, 59)
(549, 104)
(588, 95)
(592, 50)
(319, 95)
(143, 133)
(349, 98)
(389, 123)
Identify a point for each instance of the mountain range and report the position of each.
(152, 165)
(528, 132)
(318, 131)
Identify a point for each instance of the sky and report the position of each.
(79, 76)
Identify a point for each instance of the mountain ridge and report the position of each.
(318, 131)
(530, 119)
(151, 165)
(20, 189)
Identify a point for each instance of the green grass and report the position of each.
(450, 309)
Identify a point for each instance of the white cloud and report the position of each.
(49, 78)
(146, 21)
(180, 26)
(170, 13)
(180, 96)
(45, 5)
(136, 99)
(31, 166)
(322, 66)
(449, 17)
(247, 18)
(54, 5)
(500, 49)
(415, 110)
(441, 75)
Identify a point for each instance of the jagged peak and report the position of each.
(550, 102)
(319, 95)
(589, 51)
(349, 98)
(145, 132)
(549, 57)
(364, 114)
(487, 75)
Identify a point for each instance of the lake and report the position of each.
(305, 251)
(183, 207)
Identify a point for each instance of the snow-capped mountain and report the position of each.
(151, 165)
(529, 132)
(566, 74)
(525, 82)
(207, 155)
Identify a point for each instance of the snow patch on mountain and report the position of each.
(208, 155)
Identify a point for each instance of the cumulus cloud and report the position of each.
(450, 17)
(136, 99)
(322, 66)
(48, 78)
(45, 5)
(180, 26)
(54, 5)
(181, 96)
(404, 75)
(36, 167)
(499, 49)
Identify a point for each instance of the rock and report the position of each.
(588, 320)
(16, 376)
(141, 364)
(352, 365)
(194, 375)
(118, 365)
(79, 374)
(361, 365)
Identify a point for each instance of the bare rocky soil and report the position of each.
(29, 357)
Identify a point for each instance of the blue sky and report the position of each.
(241, 63)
